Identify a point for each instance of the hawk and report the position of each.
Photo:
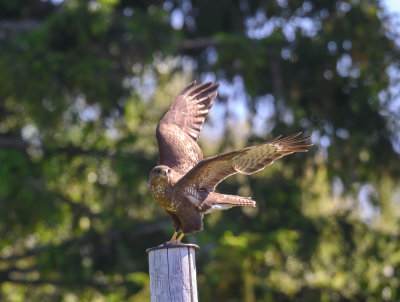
(183, 183)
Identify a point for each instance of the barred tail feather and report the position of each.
(216, 201)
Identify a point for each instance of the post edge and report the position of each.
(170, 246)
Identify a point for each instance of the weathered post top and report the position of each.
(172, 270)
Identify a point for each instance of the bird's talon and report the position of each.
(172, 242)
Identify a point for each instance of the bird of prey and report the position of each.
(183, 183)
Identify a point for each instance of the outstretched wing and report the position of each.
(179, 129)
(207, 174)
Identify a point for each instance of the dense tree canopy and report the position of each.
(82, 87)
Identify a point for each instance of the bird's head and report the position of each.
(160, 175)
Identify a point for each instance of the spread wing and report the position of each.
(178, 131)
(207, 174)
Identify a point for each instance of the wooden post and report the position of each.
(172, 270)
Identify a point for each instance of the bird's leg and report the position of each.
(174, 236)
(174, 240)
(180, 238)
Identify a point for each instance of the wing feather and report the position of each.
(208, 173)
(178, 131)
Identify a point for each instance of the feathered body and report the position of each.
(183, 183)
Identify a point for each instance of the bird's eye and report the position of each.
(169, 171)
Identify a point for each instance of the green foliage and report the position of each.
(83, 86)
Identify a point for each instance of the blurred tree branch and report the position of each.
(19, 26)
(7, 141)
(199, 43)
(132, 237)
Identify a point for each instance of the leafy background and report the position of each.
(83, 85)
